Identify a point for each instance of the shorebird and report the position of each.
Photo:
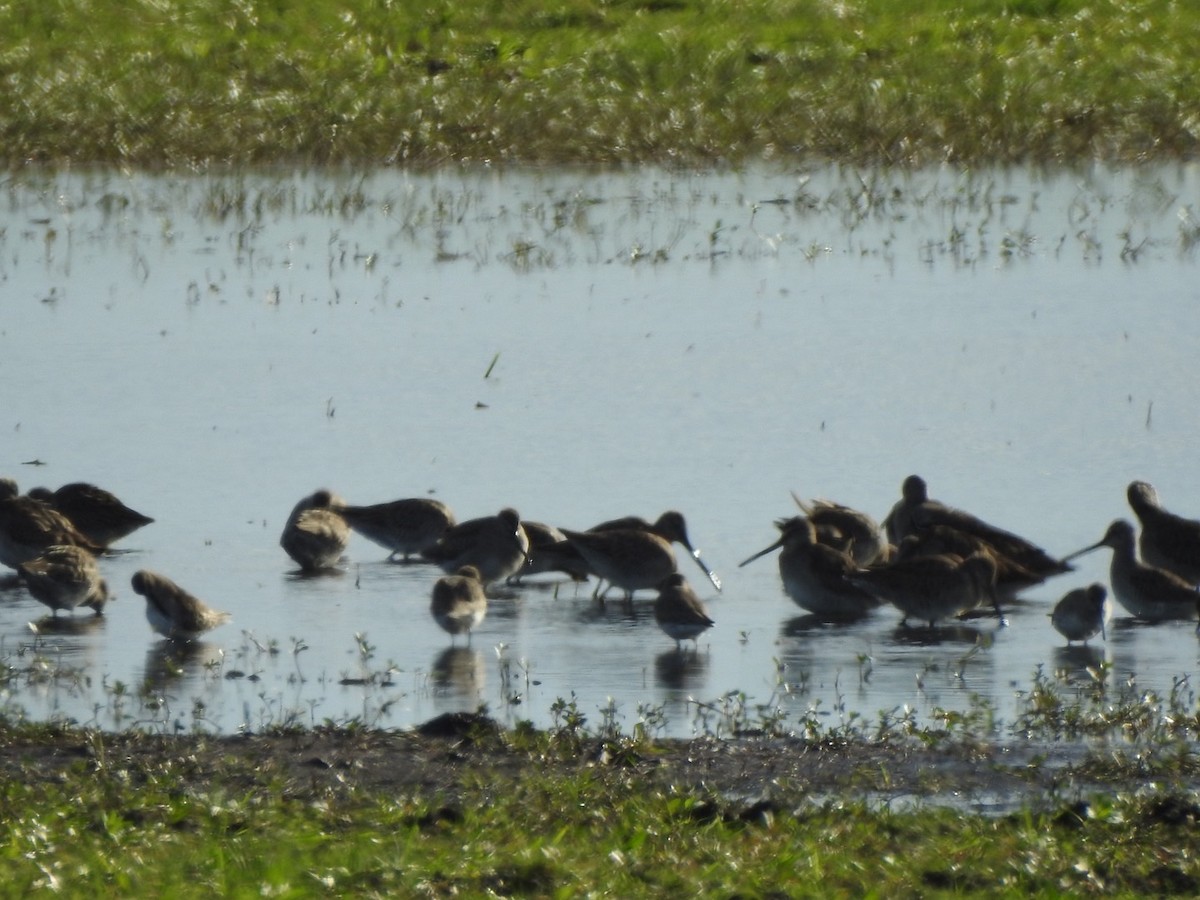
(1168, 541)
(97, 513)
(671, 527)
(404, 527)
(938, 540)
(459, 603)
(815, 575)
(679, 612)
(28, 527)
(929, 588)
(913, 493)
(860, 535)
(1082, 614)
(549, 551)
(496, 546)
(315, 535)
(626, 558)
(1147, 592)
(915, 512)
(65, 577)
(172, 611)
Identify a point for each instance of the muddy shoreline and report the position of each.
(442, 759)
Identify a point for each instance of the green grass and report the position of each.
(166, 82)
(470, 810)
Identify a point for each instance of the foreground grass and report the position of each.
(1097, 795)
(374, 81)
(475, 811)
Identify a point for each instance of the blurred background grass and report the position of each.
(172, 83)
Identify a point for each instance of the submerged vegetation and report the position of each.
(688, 81)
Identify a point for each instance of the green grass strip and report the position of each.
(174, 83)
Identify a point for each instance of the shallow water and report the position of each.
(213, 348)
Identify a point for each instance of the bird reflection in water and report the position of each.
(925, 636)
(168, 661)
(681, 670)
(1079, 659)
(459, 672)
(71, 626)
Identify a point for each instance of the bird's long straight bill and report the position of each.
(712, 576)
(1083, 552)
(763, 552)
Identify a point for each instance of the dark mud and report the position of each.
(449, 757)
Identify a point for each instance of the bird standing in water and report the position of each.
(315, 535)
(1147, 592)
(65, 577)
(172, 611)
(679, 612)
(1167, 541)
(459, 602)
(1082, 614)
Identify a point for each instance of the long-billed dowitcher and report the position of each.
(929, 588)
(404, 526)
(625, 558)
(172, 611)
(549, 551)
(861, 535)
(315, 535)
(28, 527)
(815, 575)
(65, 577)
(915, 511)
(459, 602)
(1082, 614)
(898, 524)
(1147, 592)
(679, 612)
(99, 514)
(939, 540)
(495, 545)
(671, 527)
(1168, 541)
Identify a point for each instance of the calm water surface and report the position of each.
(212, 348)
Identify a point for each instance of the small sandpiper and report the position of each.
(496, 546)
(404, 526)
(98, 513)
(679, 612)
(65, 577)
(1082, 614)
(459, 602)
(315, 535)
(1147, 592)
(1167, 541)
(172, 611)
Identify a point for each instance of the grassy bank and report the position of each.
(1098, 796)
(482, 813)
(374, 81)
